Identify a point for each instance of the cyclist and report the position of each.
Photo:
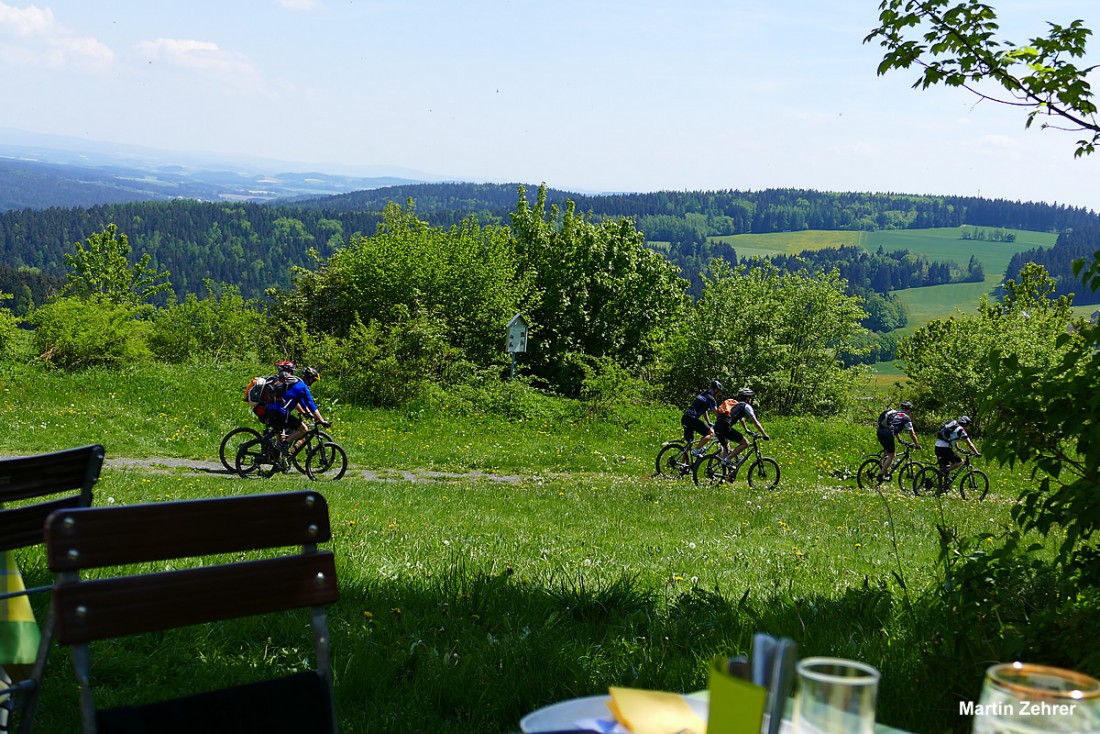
(280, 415)
(694, 419)
(947, 436)
(891, 422)
(729, 412)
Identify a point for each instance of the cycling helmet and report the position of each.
(715, 385)
(964, 420)
(285, 366)
(311, 374)
(745, 393)
(906, 405)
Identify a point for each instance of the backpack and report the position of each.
(947, 430)
(265, 390)
(726, 408)
(257, 391)
(885, 417)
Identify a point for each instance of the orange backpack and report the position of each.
(726, 408)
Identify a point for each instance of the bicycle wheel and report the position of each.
(232, 441)
(869, 475)
(670, 463)
(764, 474)
(907, 474)
(974, 485)
(298, 457)
(709, 471)
(927, 482)
(255, 458)
(326, 462)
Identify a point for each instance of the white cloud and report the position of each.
(29, 21)
(36, 38)
(198, 55)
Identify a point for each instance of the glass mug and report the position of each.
(1022, 698)
(835, 696)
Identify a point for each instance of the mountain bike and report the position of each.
(313, 456)
(763, 472)
(236, 438)
(870, 476)
(670, 458)
(973, 483)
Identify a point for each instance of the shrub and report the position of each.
(215, 329)
(71, 333)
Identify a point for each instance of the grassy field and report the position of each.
(541, 562)
(946, 244)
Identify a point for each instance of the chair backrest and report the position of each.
(129, 602)
(31, 488)
(72, 472)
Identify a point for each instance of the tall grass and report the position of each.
(560, 568)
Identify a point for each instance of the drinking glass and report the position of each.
(835, 696)
(1022, 698)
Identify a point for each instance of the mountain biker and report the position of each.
(297, 395)
(694, 419)
(729, 412)
(946, 437)
(891, 423)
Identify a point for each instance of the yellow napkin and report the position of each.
(654, 712)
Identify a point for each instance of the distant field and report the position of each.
(789, 243)
(945, 244)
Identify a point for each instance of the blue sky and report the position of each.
(585, 95)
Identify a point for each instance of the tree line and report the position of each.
(254, 246)
(1058, 261)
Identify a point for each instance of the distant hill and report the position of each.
(229, 237)
(33, 184)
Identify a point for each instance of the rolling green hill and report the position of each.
(939, 244)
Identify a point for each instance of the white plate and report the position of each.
(590, 712)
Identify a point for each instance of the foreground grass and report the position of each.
(467, 602)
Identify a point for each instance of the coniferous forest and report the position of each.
(253, 246)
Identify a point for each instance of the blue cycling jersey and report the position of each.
(295, 395)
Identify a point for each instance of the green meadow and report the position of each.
(945, 244)
(491, 565)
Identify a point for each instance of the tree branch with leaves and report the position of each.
(957, 45)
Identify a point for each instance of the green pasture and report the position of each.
(489, 566)
(790, 243)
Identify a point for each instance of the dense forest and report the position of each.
(1058, 261)
(254, 246)
(672, 215)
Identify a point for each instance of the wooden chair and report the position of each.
(118, 604)
(66, 478)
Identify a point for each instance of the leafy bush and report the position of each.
(71, 333)
(380, 364)
(780, 333)
(218, 328)
(9, 327)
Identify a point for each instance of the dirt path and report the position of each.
(176, 466)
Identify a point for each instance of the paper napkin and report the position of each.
(736, 705)
(654, 712)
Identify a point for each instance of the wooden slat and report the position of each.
(103, 608)
(108, 536)
(22, 526)
(26, 477)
